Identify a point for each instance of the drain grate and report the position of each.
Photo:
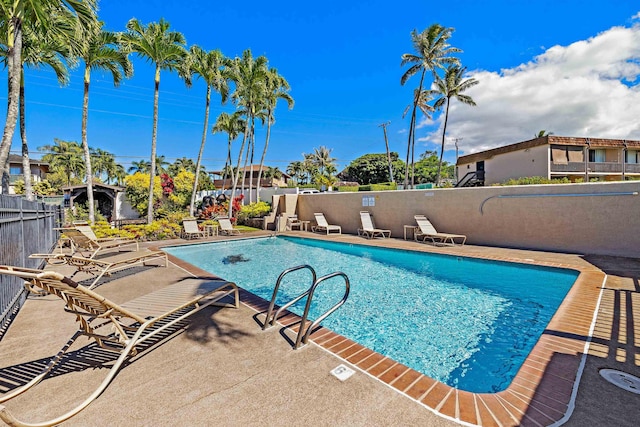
(622, 379)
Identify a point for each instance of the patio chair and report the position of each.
(90, 247)
(323, 225)
(226, 227)
(368, 229)
(139, 325)
(427, 232)
(190, 229)
(293, 222)
(104, 266)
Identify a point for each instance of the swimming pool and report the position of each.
(467, 322)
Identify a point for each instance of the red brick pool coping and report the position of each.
(540, 393)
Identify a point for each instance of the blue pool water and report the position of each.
(466, 322)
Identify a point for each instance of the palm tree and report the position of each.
(233, 125)
(118, 174)
(432, 52)
(65, 156)
(322, 159)
(22, 14)
(451, 86)
(181, 164)
(102, 51)
(276, 88)
(38, 49)
(141, 166)
(296, 170)
(249, 76)
(210, 66)
(166, 50)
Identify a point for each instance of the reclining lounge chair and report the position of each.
(427, 232)
(126, 329)
(368, 229)
(191, 230)
(104, 266)
(226, 227)
(90, 247)
(323, 225)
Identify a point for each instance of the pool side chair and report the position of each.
(368, 229)
(89, 247)
(104, 266)
(427, 232)
(227, 228)
(137, 326)
(190, 229)
(293, 222)
(323, 225)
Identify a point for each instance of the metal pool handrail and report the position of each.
(268, 323)
(311, 290)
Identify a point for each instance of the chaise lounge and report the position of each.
(368, 229)
(427, 232)
(139, 325)
(226, 227)
(86, 244)
(323, 225)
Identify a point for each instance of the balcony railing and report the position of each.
(632, 168)
(605, 167)
(568, 167)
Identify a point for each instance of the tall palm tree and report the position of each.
(39, 49)
(65, 156)
(323, 160)
(233, 125)
(296, 170)
(451, 86)
(21, 14)
(276, 88)
(210, 66)
(166, 50)
(103, 163)
(102, 51)
(249, 76)
(180, 164)
(432, 52)
(118, 174)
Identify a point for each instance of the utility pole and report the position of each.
(386, 143)
(455, 141)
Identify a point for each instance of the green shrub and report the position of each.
(348, 188)
(254, 210)
(535, 180)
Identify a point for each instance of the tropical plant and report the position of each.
(296, 171)
(19, 15)
(101, 50)
(543, 133)
(372, 169)
(431, 52)
(321, 158)
(276, 88)
(136, 190)
(233, 125)
(64, 156)
(210, 66)
(249, 76)
(166, 50)
(451, 86)
(181, 164)
(142, 166)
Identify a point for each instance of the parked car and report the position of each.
(309, 191)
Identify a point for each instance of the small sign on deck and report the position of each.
(342, 372)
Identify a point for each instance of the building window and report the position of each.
(15, 170)
(632, 156)
(597, 156)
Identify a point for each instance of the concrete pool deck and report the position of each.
(224, 369)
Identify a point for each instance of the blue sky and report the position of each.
(565, 66)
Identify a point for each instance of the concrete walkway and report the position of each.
(224, 370)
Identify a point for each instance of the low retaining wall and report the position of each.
(588, 218)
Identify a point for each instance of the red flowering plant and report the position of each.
(167, 184)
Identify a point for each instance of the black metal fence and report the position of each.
(25, 228)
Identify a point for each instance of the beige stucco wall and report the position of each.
(543, 217)
(531, 162)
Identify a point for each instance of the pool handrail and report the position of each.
(267, 323)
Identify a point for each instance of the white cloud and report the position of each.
(584, 89)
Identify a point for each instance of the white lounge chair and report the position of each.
(293, 222)
(226, 227)
(427, 232)
(368, 229)
(191, 230)
(139, 325)
(86, 244)
(323, 225)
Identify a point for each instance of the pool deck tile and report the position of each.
(467, 410)
(420, 387)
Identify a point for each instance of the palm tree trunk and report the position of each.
(85, 145)
(204, 140)
(227, 164)
(26, 165)
(264, 154)
(246, 162)
(14, 61)
(412, 131)
(444, 132)
(237, 178)
(154, 134)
